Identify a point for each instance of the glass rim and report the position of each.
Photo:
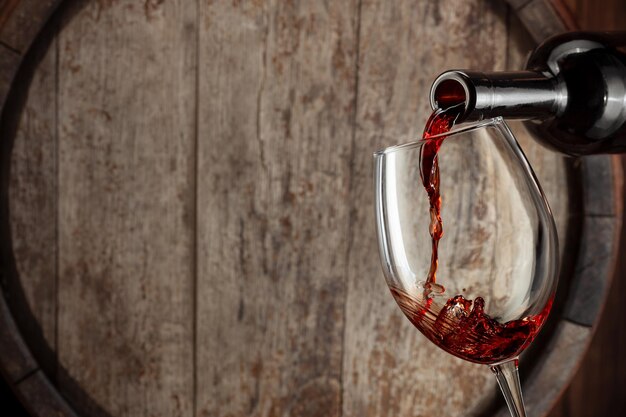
(463, 128)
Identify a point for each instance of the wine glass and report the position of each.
(484, 290)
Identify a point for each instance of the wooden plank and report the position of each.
(126, 208)
(32, 202)
(389, 368)
(275, 123)
(21, 21)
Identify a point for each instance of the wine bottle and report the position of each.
(572, 93)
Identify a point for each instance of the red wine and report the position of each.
(439, 123)
(460, 326)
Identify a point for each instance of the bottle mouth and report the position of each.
(449, 93)
(452, 89)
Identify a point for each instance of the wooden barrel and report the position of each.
(187, 221)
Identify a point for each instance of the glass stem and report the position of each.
(508, 379)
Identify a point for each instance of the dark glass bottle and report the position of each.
(573, 93)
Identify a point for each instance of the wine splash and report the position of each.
(462, 328)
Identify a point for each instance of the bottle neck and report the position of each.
(574, 89)
(513, 95)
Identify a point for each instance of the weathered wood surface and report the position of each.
(216, 244)
(126, 113)
(276, 106)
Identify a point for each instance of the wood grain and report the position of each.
(126, 208)
(277, 86)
